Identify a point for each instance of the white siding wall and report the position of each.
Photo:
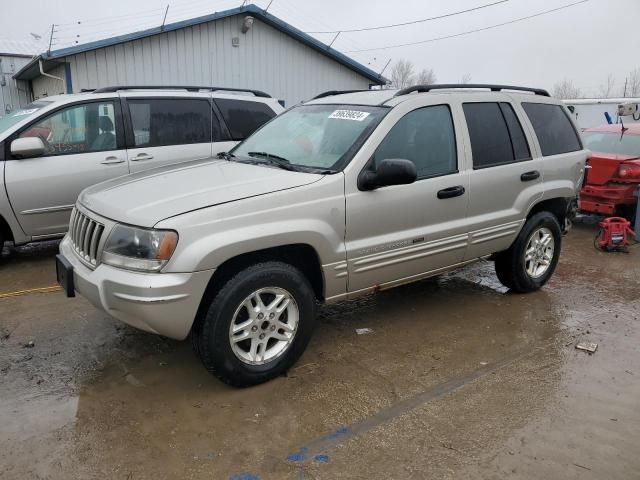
(266, 59)
(47, 86)
(14, 93)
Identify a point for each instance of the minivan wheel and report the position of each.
(533, 257)
(257, 326)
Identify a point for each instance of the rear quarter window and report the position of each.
(553, 128)
(243, 117)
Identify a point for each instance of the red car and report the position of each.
(613, 178)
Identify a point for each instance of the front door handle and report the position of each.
(111, 160)
(451, 192)
(142, 156)
(528, 176)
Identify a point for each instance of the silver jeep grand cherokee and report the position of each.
(338, 197)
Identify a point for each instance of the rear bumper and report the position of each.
(606, 199)
(162, 303)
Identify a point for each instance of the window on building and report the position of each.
(244, 117)
(553, 128)
(171, 121)
(426, 137)
(496, 135)
(90, 127)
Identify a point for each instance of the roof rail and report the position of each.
(331, 93)
(450, 86)
(117, 88)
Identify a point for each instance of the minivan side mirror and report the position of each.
(392, 171)
(28, 147)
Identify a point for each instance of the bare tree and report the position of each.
(566, 89)
(606, 90)
(466, 78)
(426, 76)
(633, 85)
(402, 74)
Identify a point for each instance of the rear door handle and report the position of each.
(451, 192)
(111, 160)
(528, 176)
(142, 156)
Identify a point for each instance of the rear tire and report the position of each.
(532, 258)
(257, 325)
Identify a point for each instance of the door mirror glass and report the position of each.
(396, 171)
(28, 147)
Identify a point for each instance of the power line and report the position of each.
(387, 47)
(413, 22)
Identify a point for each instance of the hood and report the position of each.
(604, 166)
(145, 198)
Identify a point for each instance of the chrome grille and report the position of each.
(85, 236)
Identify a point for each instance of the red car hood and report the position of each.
(604, 166)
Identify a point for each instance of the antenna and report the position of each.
(165, 18)
(53, 26)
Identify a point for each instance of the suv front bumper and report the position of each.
(162, 303)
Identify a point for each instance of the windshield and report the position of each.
(12, 118)
(606, 142)
(314, 136)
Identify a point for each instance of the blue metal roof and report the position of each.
(252, 9)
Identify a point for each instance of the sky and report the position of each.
(585, 43)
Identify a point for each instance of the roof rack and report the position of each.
(331, 93)
(256, 93)
(450, 86)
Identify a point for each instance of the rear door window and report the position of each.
(496, 135)
(243, 117)
(553, 128)
(170, 121)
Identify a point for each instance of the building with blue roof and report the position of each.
(244, 47)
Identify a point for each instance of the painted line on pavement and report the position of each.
(20, 293)
(316, 449)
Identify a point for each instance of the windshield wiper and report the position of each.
(225, 155)
(276, 160)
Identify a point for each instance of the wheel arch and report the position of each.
(300, 255)
(5, 230)
(558, 206)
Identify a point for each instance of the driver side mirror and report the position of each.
(27, 147)
(395, 171)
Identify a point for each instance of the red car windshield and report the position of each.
(611, 142)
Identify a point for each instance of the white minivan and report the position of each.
(57, 146)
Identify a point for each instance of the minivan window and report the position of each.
(553, 128)
(10, 119)
(314, 136)
(426, 137)
(243, 117)
(170, 121)
(88, 127)
(496, 135)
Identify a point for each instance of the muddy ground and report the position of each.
(459, 379)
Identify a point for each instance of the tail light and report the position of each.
(629, 171)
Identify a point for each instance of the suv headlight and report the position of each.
(141, 249)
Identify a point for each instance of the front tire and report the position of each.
(257, 325)
(533, 257)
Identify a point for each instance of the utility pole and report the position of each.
(165, 18)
